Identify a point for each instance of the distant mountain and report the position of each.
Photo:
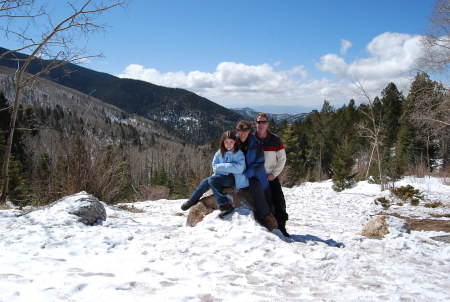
(57, 106)
(277, 117)
(189, 116)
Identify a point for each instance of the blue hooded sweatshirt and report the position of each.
(231, 163)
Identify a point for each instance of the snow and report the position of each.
(47, 255)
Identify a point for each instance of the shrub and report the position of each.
(406, 193)
(433, 205)
(386, 203)
(415, 201)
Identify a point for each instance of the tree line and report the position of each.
(56, 154)
(380, 139)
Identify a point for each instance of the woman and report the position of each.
(228, 164)
(256, 174)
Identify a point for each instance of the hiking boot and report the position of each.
(225, 210)
(186, 205)
(282, 228)
(270, 222)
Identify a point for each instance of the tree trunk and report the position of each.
(9, 143)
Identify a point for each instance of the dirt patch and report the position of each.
(5, 206)
(425, 224)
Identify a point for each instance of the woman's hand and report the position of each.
(270, 177)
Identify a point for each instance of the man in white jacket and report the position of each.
(275, 159)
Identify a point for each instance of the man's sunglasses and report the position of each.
(244, 129)
(262, 122)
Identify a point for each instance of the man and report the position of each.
(275, 159)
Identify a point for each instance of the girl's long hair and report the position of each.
(225, 135)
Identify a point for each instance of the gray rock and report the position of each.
(90, 211)
(444, 238)
(84, 205)
(207, 204)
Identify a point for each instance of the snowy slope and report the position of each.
(152, 256)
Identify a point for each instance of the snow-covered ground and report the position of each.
(152, 256)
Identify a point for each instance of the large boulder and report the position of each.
(381, 225)
(207, 204)
(87, 207)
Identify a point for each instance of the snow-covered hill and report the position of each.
(277, 117)
(152, 256)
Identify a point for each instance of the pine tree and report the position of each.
(295, 163)
(180, 187)
(42, 184)
(391, 101)
(342, 164)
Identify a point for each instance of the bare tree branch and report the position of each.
(56, 45)
(436, 42)
(372, 131)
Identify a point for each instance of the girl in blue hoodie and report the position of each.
(228, 165)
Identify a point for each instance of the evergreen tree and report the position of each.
(180, 187)
(295, 163)
(43, 180)
(391, 101)
(342, 164)
(320, 133)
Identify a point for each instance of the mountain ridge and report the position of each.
(186, 114)
(277, 117)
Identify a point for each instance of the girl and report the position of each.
(228, 165)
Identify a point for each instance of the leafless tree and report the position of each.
(373, 131)
(436, 41)
(53, 41)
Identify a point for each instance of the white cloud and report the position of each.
(345, 45)
(390, 58)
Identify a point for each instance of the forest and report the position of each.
(380, 140)
(60, 152)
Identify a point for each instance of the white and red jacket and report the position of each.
(274, 154)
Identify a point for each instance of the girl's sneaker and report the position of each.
(225, 210)
(186, 205)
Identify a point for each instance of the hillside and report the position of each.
(186, 114)
(116, 153)
(277, 117)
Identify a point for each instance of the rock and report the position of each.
(444, 238)
(381, 225)
(207, 204)
(87, 207)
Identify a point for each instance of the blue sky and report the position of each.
(270, 55)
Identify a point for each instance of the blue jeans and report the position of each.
(216, 183)
(261, 198)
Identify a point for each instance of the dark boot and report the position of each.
(186, 205)
(270, 222)
(225, 210)
(282, 228)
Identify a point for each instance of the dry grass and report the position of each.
(5, 206)
(130, 208)
(425, 224)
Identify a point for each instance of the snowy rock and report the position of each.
(87, 207)
(381, 225)
(207, 204)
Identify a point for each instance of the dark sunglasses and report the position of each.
(244, 129)
(262, 122)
